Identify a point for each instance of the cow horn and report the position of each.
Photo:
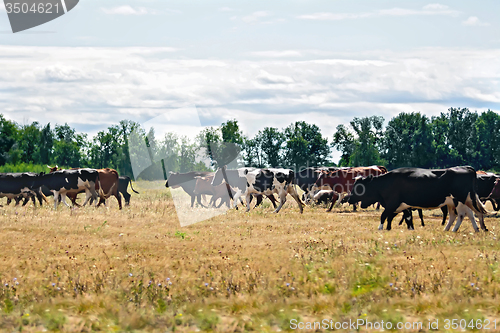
(48, 166)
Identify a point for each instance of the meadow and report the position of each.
(101, 269)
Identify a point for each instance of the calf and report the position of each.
(19, 185)
(187, 181)
(342, 181)
(204, 186)
(322, 197)
(248, 181)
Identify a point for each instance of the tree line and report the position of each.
(456, 137)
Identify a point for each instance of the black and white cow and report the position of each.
(18, 185)
(249, 181)
(405, 188)
(63, 181)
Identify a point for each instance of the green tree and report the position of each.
(68, 146)
(360, 144)
(271, 142)
(409, 142)
(9, 135)
(305, 145)
(45, 145)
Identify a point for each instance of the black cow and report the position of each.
(19, 185)
(485, 184)
(249, 181)
(188, 183)
(62, 181)
(406, 188)
(408, 216)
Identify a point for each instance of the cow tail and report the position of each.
(101, 192)
(478, 205)
(43, 195)
(133, 188)
(110, 191)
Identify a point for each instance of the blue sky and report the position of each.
(263, 63)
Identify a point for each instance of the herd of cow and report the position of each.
(458, 191)
(96, 183)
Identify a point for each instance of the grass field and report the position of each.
(103, 269)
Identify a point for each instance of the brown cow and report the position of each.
(106, 186)
(342, 181)
(204, 186)
(495, 192)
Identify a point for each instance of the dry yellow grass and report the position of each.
(108, 270)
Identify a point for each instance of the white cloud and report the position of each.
(474, 21)
(436, 6)
(255, 17)
(226, 9)
(128, 10)
(97, 87)
(431, 9)
(277, 54)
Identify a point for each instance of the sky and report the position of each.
(259, 62)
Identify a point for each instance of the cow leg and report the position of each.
(341, 196)
(192, 200)
(282, 202)
(354, 207)
(126, 196)
(297, 199)
(237, 196)
(63, 199)
(421, 215)
(480, 217)
(248, 196)
(378, 206)
(9, 200)
(93, 192)
(408, 218)
(384, 215)
(444, 209)
(56, 199)
(88, 195)
(403, 218)
(272, 199)
(32, 196)
(259, 198)
(463, 210)
(453, 216)
(389, 220)
(119, 198)
(332, 204)
(198, 199)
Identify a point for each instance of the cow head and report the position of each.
(53, 169)
(219, 177)
(365, 191)
(171, 180)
